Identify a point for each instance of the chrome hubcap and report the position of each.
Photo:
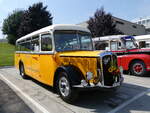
(138, 68)
(64, 86)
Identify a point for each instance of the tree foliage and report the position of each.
(102, 24)
(35, 17)
(20, 23)
(11, 25)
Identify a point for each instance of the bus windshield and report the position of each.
(72, 40)
(129, 43)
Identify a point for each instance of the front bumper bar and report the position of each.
(99, 85)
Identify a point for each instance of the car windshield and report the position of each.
(130, 43)
(72, 40)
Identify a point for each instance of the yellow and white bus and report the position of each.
(62, 56)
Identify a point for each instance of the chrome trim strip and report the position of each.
(101, 56)
(79, 56)
(26, 52)
(102, 71)
(99, 74)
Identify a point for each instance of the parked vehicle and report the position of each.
(143, 41)
(132, 58)
(63, 57)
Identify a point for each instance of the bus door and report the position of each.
(47, 62)
(35, 65)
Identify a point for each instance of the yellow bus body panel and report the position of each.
(42, 67)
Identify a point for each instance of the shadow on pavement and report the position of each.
(98, 100)
(10, 102)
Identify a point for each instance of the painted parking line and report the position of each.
(36, 104)
(129, 101)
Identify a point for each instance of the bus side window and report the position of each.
(35, 44)
(113, 45)
(142, 44)
(101, 46)
(46, 42)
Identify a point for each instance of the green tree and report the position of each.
(35, 17)
(11, 25)
(102, 24)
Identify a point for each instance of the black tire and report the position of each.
(138, 68)
(65, 89)
(22, 71)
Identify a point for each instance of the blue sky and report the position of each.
(76, 11)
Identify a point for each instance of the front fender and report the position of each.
(74, 74)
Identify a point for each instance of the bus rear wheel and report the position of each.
(22, 71)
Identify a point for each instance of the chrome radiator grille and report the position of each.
(109, 69)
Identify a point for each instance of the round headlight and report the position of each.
(89, 75)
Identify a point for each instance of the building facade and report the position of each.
(126, 27)
(144, 21)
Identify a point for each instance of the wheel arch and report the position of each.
(20, 63)
(66, 69)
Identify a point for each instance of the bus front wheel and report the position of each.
(64, 88)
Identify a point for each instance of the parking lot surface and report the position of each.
(10, 102)
(132, 97)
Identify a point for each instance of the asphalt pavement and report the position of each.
(10, 102)
(32, 96)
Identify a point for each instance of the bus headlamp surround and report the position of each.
(89, 75)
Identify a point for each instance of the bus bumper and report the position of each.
(99, 85)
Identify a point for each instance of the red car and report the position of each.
(130, 57)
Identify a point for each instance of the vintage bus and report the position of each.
(63, 56)
(131, 57)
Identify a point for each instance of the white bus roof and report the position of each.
(142, 37)
(106, 38)
(53, 28)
